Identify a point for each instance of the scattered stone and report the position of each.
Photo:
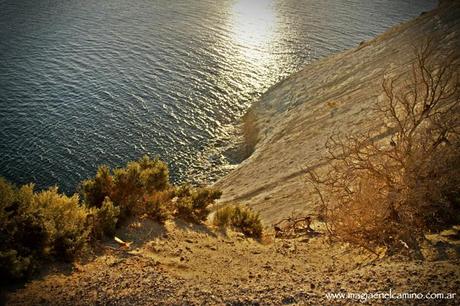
(288, 300)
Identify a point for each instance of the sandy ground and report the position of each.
(335, 94)
(181, 264)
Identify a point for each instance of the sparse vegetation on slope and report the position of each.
(39, 226)
(388, 192)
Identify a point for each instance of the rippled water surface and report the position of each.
(85, 82)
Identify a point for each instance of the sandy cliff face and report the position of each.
(336, 94)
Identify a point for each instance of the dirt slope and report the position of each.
(296, 116)
(180, 264)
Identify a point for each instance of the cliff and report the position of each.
(181, 263)
(290, 124)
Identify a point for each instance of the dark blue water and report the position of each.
(86, 82)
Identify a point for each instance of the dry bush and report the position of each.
(389, 190)
(294, 226)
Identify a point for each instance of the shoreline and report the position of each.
(294, 117)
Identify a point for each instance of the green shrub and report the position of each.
(192, 203)
(65, 221)
(95, 190)
(38, 226)
(15, 266)
(240, 218)
(22, 231)
(154, 174)
(126, 187)
(127, 191)
(159, 206)
(106, 219)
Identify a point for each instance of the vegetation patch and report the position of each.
(47, 225)
(389, 191)
(240, 218)
(37, 226)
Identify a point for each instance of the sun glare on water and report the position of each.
(253, 26)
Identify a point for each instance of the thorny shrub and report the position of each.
(387, 191)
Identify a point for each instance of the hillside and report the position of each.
(294, 118)
(194, 262)
(179, 264)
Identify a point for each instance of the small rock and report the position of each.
(288, 300)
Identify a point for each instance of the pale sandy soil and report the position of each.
(336, 94)
(180, 264)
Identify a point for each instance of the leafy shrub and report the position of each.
(106, 219)
(22, 231)
(143, 187)
(154, 174)
(159, 206)
(65, 221)
(94, 191)
(127, 187)
(240, 218)
(193, 203)
(15, 266)
(127, 191)
(36, 226)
